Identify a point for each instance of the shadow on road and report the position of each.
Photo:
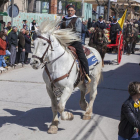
(36, 117)
(112, 92)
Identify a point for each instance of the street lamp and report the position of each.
(12, 2)
(82, 8)
(108, 9)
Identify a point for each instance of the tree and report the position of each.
(2, 3)
(114, 7)
(31, 6)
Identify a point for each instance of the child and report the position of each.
(3, 46)
(129, 127)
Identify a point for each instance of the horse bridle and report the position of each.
(46, 68)
(49, 44)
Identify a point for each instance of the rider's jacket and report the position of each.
(115, 27)
(72, 22)
(100, 25)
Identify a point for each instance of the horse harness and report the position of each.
(46, 68)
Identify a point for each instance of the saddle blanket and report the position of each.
(92, 60)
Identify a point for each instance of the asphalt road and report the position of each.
(25, 107)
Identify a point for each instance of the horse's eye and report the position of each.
(44, 44)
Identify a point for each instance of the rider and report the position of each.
(115, 27)
(100, 23)
(72, 21)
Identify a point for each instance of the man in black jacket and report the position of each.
(115, 27)
(12, 39)
(129, 127)
(100, 24)
(21, 46)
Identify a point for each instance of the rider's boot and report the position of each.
(87, 79)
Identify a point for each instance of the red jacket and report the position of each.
(3, 45)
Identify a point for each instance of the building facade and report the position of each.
(119, 6)
(22, 5)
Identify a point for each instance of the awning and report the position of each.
(3, 14)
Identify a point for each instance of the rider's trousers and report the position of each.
(81, 55)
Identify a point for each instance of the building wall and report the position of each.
(22, 5)
(18, 21)
(87, 11)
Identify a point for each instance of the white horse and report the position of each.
(51, 50)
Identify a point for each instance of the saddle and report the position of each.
(81, 74)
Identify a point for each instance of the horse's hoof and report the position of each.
(53, 129)
(69, 116)
(86, 117)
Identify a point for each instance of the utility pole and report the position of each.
(82, 8)
(108, 9)
(12, 2)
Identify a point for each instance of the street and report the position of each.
(25, 107)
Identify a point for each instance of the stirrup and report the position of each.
(89, 80)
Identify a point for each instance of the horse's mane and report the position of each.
(64, 36)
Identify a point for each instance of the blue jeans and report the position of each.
(121, 138)
(3, 61)
(83, 38)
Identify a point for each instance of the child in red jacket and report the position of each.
(3, 45)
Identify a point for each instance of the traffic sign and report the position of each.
(15, 10)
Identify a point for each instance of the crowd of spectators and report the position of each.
(111, 23)
(15, 44)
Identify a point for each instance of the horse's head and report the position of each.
(42, 49)
(99, 35)
(129, 30)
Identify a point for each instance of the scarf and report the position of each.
(114, 23)
(137, 104)
(101, 21)
(66, 17)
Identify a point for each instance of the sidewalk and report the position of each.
(12, 68)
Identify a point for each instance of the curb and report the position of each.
(18, 66)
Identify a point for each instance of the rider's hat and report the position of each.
(100, 17)
(70, 6)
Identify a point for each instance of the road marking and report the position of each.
(22, 81)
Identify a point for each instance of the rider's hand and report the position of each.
(16, 46)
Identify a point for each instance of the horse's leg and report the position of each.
(54, 126)
(61, 105)
(102, 62)
(93, 93)
(83, 102)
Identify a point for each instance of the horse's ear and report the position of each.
(92, 29)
